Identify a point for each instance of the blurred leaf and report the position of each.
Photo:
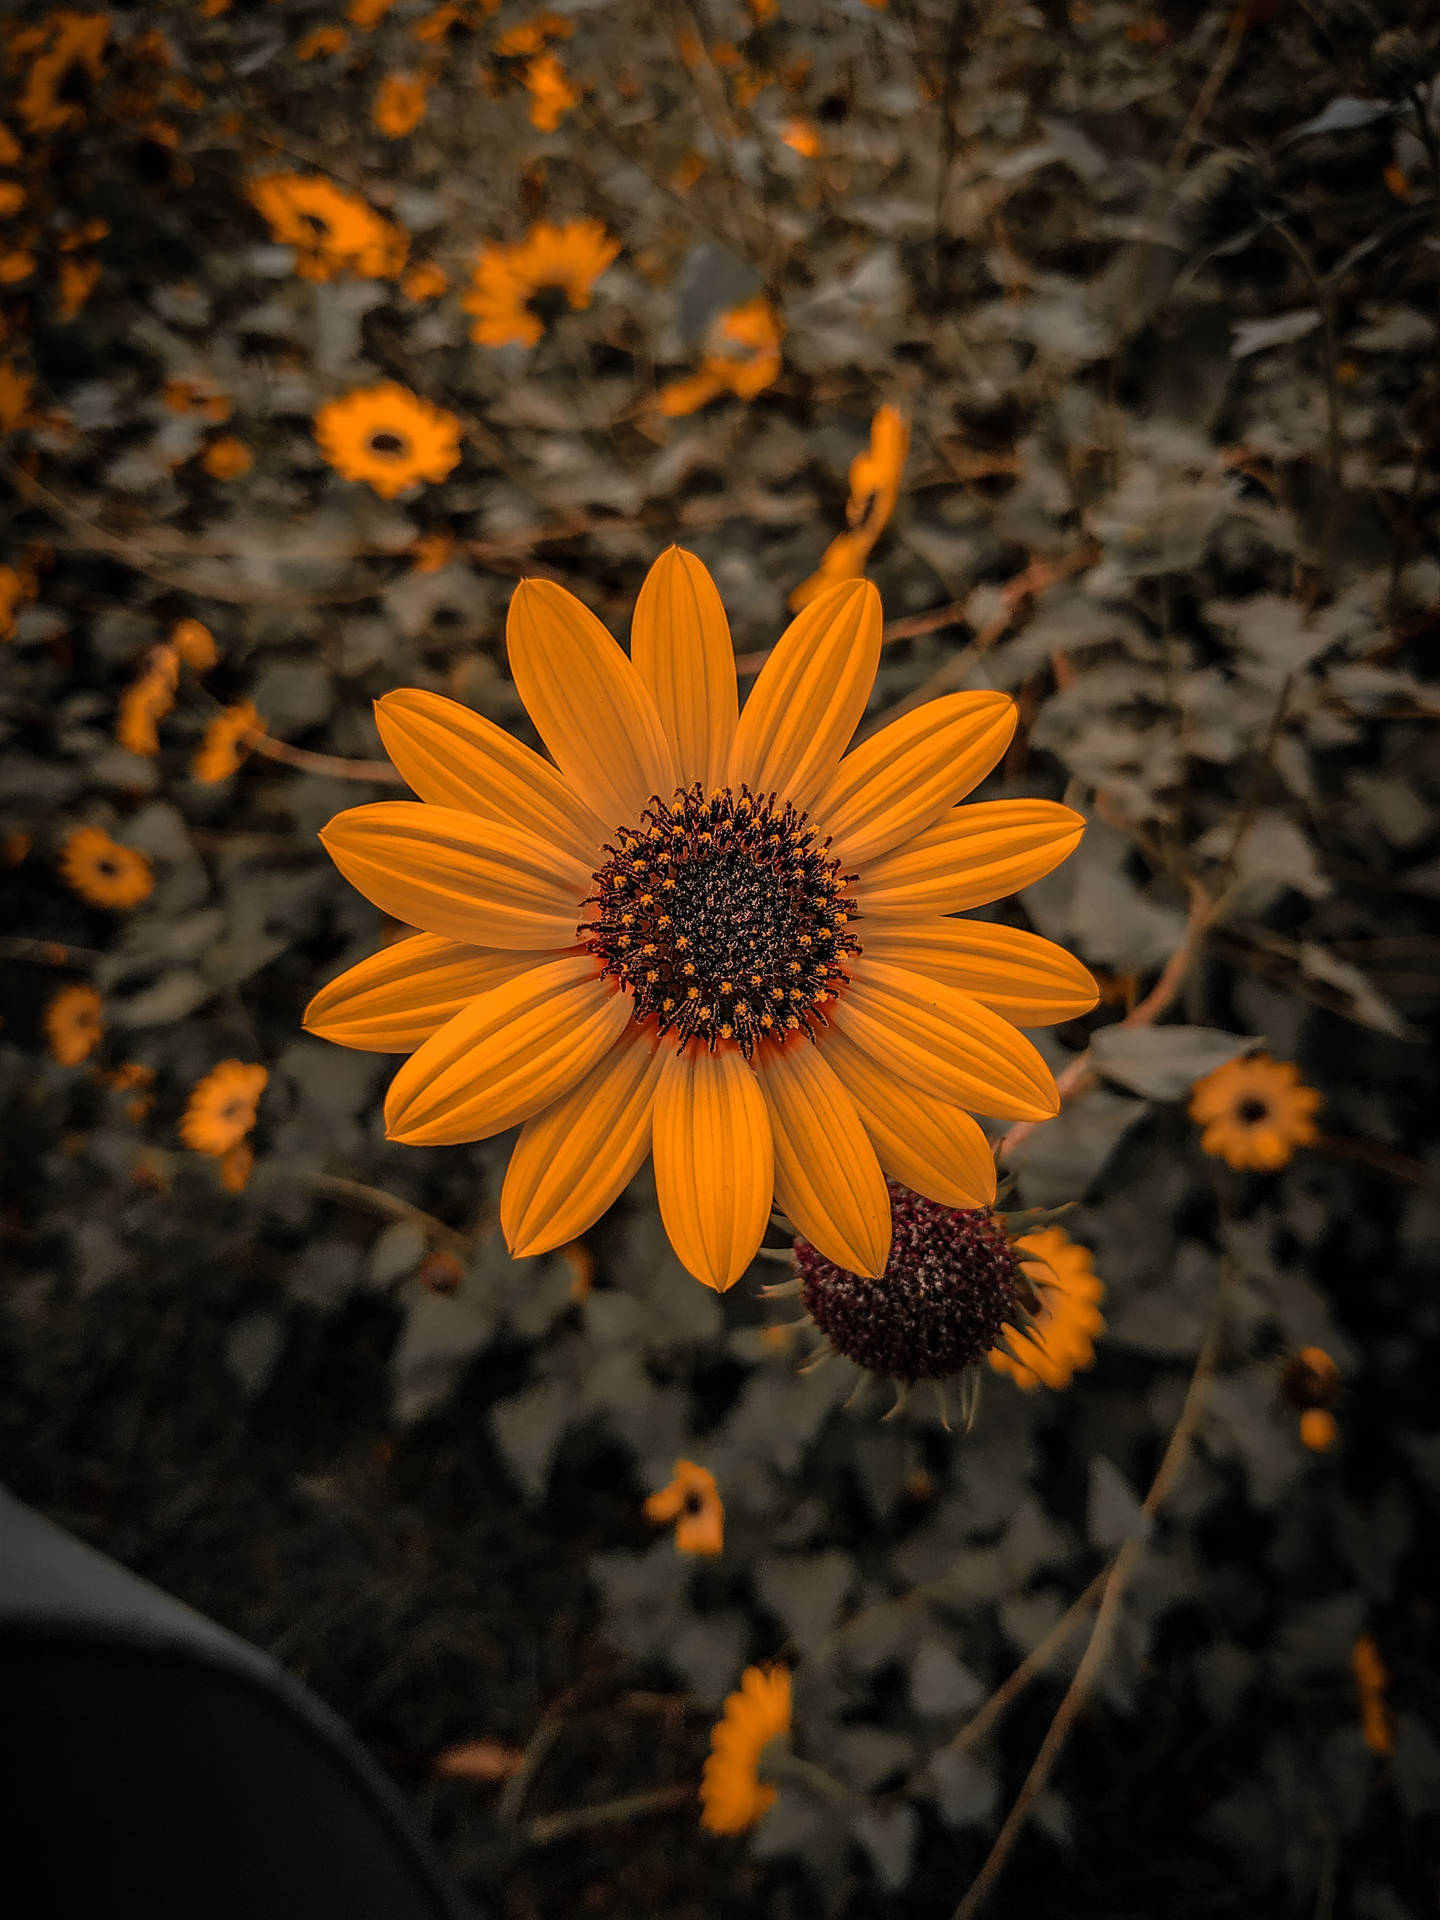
(940, 1684)
(965, 1790)
(1164, 1062)
(804, 1591)
(888, 1835)
(1254, 336)
(1114, 1513)
(1061, 1157)
(530, 1426)
(1343, 115)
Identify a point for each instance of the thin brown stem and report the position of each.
(608, 1813)
(378, 772)
(389, 1206)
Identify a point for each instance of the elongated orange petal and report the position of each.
(455, 758)
(809, 696)
(680, 643)
(714, 1162)
(925, 1144)
(827, 1178)
(590, 706)
(477, 881)
(900, 780)
(395, 1000)
(1027, 980)
(970, 857)
(940, 1040)
(509, 1054)
(574, 1158)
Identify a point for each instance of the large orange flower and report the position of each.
(702, 933)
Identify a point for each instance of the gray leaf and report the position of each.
(888, 1836)
(529, 1429)
(1342, 115)
(1254, 336)
(1062, 1156)
(804, 1591)
(964, 1790)
(1115, 1514)
(1164, 1062)
(941, 1684)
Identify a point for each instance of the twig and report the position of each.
(1117, 1579)
(49, 953)
(609, 1813)
(380, 772)
(1370, 1153)
(390, 1207)
(974, 1731)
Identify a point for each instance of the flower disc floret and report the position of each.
(724, 918)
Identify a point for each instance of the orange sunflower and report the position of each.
(507, 278)
(73, 1025)
(331, 231)
(1060, 1341)
(705, 933)
(1255, 1112)
(388, 436)
(102, 871)
(732, 1793)
(221, 1109)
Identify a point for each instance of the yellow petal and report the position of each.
(396, 999)
(589, 705)
(927, 1145)
(681, 646)
(970, 857)
(572, 1160)
(476, 881)
(809, 696)
(943, 1042)
(455, 758)
(714, 1164)
(900, 780)
(507, 1055)
(1016, 974)
(827, 1178)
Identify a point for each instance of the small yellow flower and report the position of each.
(874, 490)
(743, 359)
(692, 1501)
(1255, 1112)
(331, 231)
(321, 41)
(425, 281)
(227, 458)
(367, 13)
(145, 703)
(73, 1025)
(388, 436)
(551, 94)
(1372, 1682)
(507, 278)
(102, 871)
(226, 739)
(570, 974)
(75, 282)
(400, 104)
(732, 1794)
(1318, 1429)
(1060, 1341)
(533, 36)
(194, 643)
(221, 1109)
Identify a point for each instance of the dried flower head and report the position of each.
(732, 1794)
(388, 436)
(568, 258)
(73, 1025)
(331, 231)
(1255, 1112)
(102, 871)
(705, 931)
(400, 104)
(221, 1109)
(692, 1501)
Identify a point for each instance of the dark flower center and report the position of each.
(320, 228)
(724, 917)
(389, 444)
(952, 1282)
(1251, 1112)
(694, 1505)
(547, 304)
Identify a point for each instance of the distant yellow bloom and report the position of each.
(802, 137)
(551, 94)
(1255, 1112)
(425, 281)
(367, 13)
(183, 394)
(321, 41)
(194, 643)
(1318, 1429)
(1372, 1682)
(146, 701)
(650, 945)
(507, 278)
(75, 282)
(15, 390)
(431, 552)
(221, 1109)
(874, 490)
(18, 585)
(388, 436)
(73, 1026)
(227, 458)
(1060, 1342)
(61, 43)
(226, 741)
(692, 1501)
(102, 871)
(435, 27)
(331, 231)
(742, 358)
(12, 197)
(400, 104)
(11, 152)
(732, 1794)
(236, 1165)
(16, 264)
(533, 36)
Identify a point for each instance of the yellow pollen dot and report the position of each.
(662, 920)
(777, 993)
(648, 948)
(682, 940)
(727, 1033)
(625, 941)
(668, 1004)
(692, 993)
(791, 1023)
(688, 968)
(627, 919)
(767, 1019)
(756, 981)
(651, 977)
(706, 1013)
(727, 986)
(647, 899)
